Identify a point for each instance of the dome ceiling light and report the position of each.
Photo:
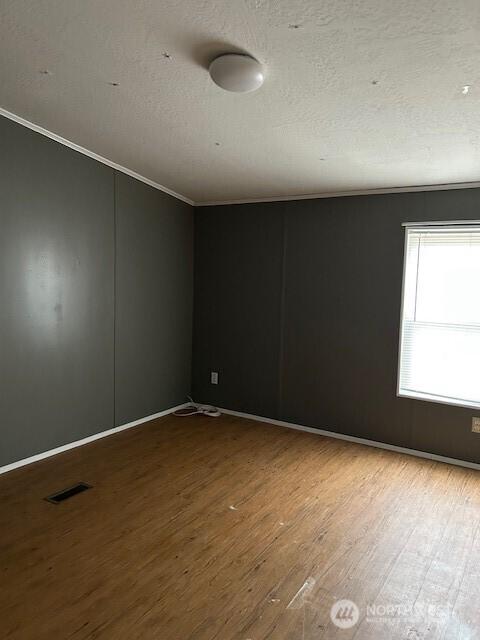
(237, 72)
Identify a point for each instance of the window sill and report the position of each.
(415, 395)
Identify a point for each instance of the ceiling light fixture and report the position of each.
(237, 72)
(466, 89)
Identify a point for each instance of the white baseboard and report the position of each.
(247, 416)
(95, 436)
(369, 443)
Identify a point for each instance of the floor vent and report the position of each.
(56, 498)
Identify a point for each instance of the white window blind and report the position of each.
(440, 328)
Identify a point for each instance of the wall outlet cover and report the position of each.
(476, 425)
(214, 377)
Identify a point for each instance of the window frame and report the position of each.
(413, 395)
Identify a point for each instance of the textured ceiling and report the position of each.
(360, 94)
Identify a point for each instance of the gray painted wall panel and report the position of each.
(352, 307)
(238, 268)
(154, 297)
(56, 286)
(337, 338)
(57, 289)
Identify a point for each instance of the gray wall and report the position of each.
(238, 290)
(297, 306)
(58, 314)
(154, 291)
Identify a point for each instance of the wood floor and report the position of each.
(227, 529)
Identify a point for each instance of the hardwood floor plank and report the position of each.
(206, 529)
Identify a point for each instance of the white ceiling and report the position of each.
(360, 94)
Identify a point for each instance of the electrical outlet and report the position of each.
(476, 425)
(214, 380)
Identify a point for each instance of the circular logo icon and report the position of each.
(344, 614)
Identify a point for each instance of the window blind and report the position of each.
(440, 324)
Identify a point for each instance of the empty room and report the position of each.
(239, 320)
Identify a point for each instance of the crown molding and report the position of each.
(91, 154)
(343, 194)
(216, 203)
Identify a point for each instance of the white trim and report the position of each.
(343, 194)
(400, 324)
(213, 203)
(429, 397)
(92, 154)
(95, 436)
(247, 416)
(342, 436)
(442, 223)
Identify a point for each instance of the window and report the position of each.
(440, 324)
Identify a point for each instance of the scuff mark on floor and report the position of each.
(298, 600)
